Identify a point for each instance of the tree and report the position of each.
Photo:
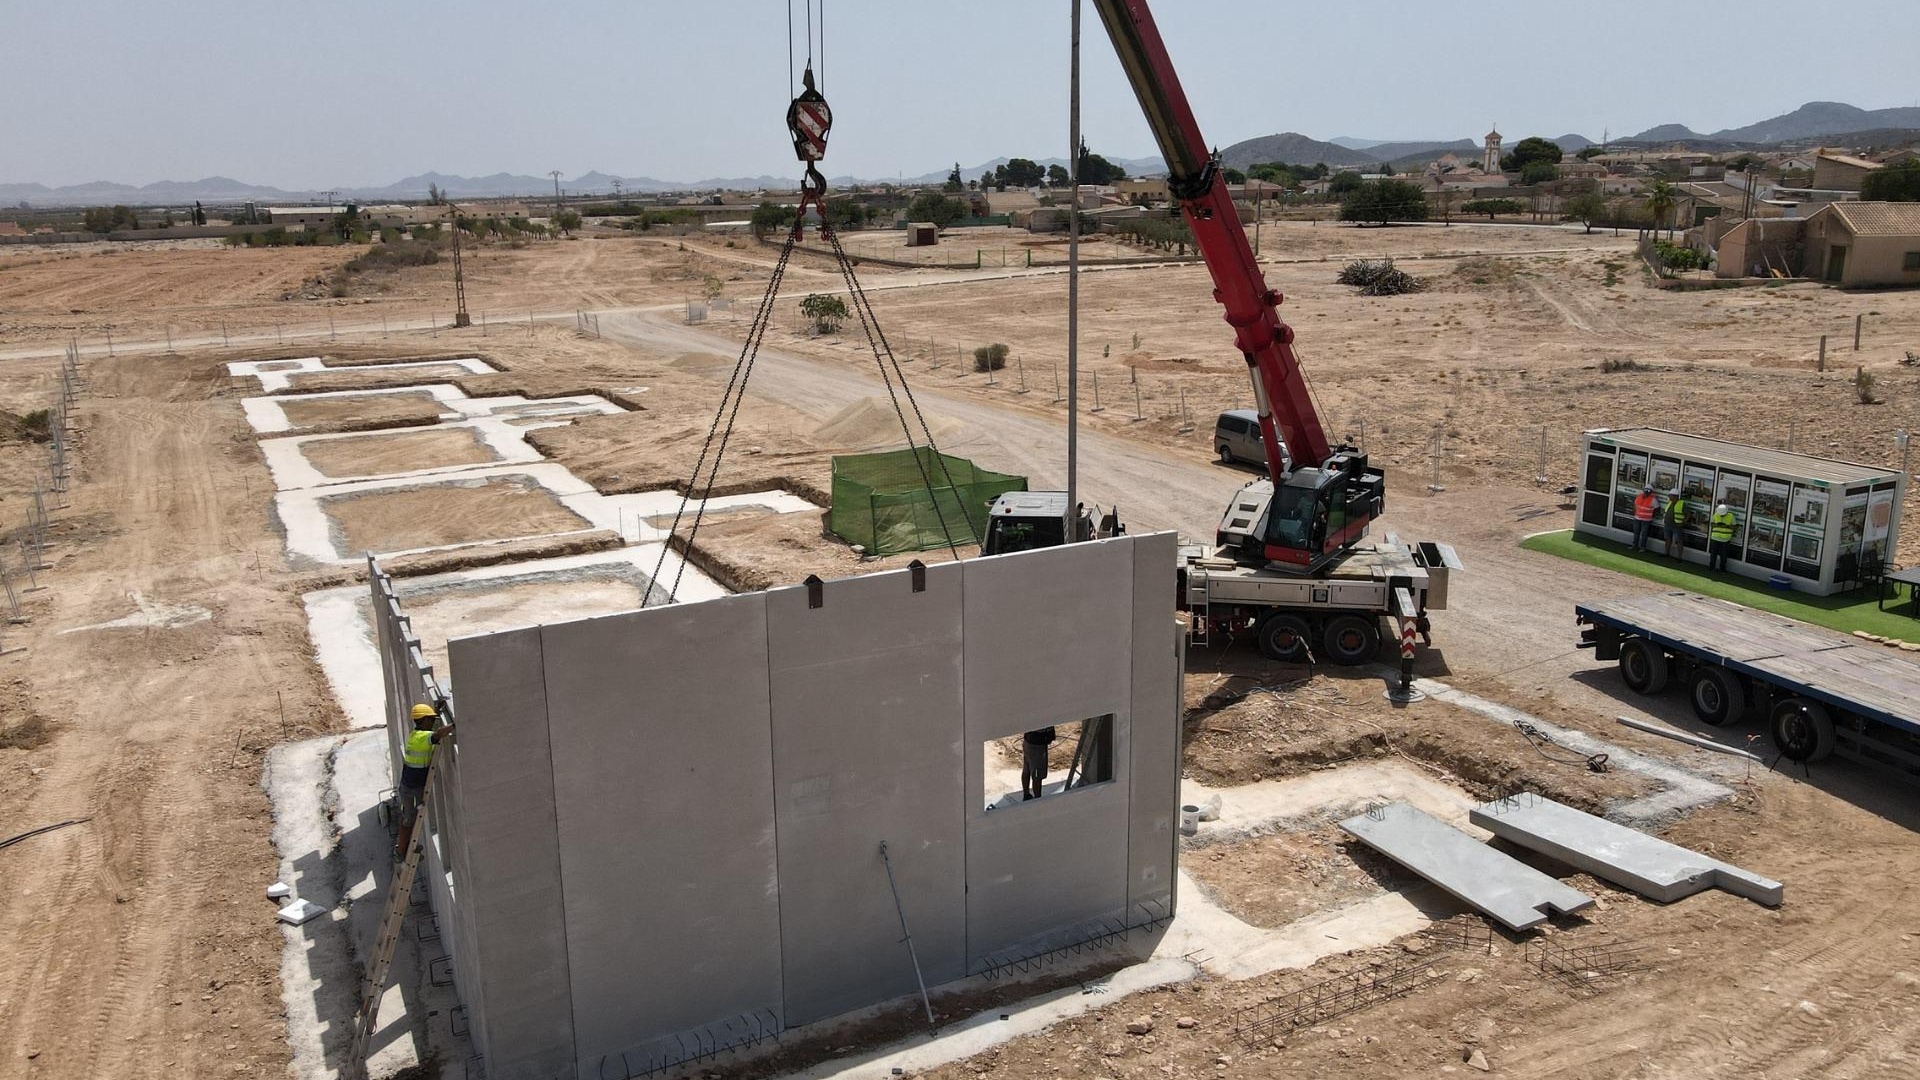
(199, 214)
(769, 216)
(435, 196)
(567, 221)
(954, 183)
(1893, 183)
(1057, 176)
(1591, 152)
(1345, 182)
(1491, 207)
(1587, 208)
(1023, 172)
(1097, 170)
(846, 214)
(1386, 168)
(825, 311)
(347, 221)
(1660, 203)
(1381, 201)
(939, 209)
(1530, 151)
(1233, 175)
(1539, 172)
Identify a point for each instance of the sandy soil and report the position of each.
(451, 512)
(1271, 880)
(164, 962)
(373, 411)
(461, 612)
(373, 455)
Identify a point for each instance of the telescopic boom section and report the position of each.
(1194, 178)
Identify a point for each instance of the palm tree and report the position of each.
(1660, 202)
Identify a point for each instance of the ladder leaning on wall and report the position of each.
(392, 918)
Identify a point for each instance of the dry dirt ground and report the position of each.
(142, 945)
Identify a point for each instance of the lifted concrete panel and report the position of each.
(1627, 857)
(512, 906)
(1154, 736)
(1510, 891)
(866, 747)
(663, 787)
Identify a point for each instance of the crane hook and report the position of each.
(808, 120)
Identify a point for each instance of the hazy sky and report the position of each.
(358, 92)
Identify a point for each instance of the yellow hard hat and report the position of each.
(423, 712)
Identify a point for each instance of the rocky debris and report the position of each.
(1140, 1025)
(1477, 1059)
(1186, 1023)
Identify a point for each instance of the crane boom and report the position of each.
(1195, 180)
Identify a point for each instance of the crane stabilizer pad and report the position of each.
(1626, 857)
(1507, 890)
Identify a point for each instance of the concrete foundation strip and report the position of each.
(1515, 894)
(1690, 740)
(1626, 857)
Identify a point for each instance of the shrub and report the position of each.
(990, 357)
(1491, 207)
(825, 311)
(1381, 201)
(1379, 278)
(28, 734)
(38, 425)
(1863, 387)
(1678, 256)
(394, 257)
(1624, 363)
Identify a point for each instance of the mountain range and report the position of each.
(1813, 120)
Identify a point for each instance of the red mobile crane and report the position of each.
(1287, 558)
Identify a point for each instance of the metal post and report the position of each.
(1823, 352)
(1056, 382)
(1021, 366)
(1856, 341)
(1097, 407)
(224, 342)
(1137, 415)
(1540, 477)
(1856, 332)
(1186, 418)
(1073, 280)
(905, 934)
(332, 334)
(109, 341)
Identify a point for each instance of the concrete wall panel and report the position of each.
(663, 785)
(507, 872)
(1154, 761)
(1048, 641)
(867, 724)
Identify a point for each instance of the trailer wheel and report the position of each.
(1350, 640)
(1643, 665)
(1717, 695)
(1284, 638)
(1803, 730)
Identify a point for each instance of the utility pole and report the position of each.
(1073, 284)
(460, 316)
(556, 191)
(330, 194)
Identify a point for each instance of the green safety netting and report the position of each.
(881, 502)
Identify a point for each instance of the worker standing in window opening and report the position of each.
(1643, 507)
(1720, 530)
(416, 753)
(1675, 520)
(1033, 760)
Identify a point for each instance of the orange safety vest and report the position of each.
(1643, 506)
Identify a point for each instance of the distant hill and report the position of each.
(1667, 133)
(1352, 143)
(1295, 149)
(1813, 119)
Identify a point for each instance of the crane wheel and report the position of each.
(1284, 638)
(1717, 695)
(1803, 730)
(1350, 640)
(1643, 665)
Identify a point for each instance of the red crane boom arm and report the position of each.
(1279, 390)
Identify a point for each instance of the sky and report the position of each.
(362, 93)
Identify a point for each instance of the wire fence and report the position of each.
(20, 567)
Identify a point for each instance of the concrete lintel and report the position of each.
(1510, 891)
(1627, 857)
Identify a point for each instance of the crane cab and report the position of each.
(1312, 518)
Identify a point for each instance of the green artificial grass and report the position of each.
(1842, 611)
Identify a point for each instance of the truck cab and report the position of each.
(1025, 520)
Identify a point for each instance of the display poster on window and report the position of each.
(1879, 519)
(1665, 475)
(1734, 491)
(1629, 476)
(1698, 491)
(1808, 525)
(1853, 521)
(1767, 523)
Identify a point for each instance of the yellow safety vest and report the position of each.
(1677, 511)
(418, 751)
(1724, 525)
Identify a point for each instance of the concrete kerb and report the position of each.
(267, 414)
(276, 375)
(1684, 789)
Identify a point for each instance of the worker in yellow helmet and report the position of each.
(416, 753)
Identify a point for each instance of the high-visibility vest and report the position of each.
(1724, 525)
(1677, 510)
(418, 751)
(1643, 506)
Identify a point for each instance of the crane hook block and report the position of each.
(808, 119)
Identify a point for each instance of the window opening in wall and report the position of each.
(1049, 761)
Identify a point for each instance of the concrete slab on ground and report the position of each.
(1627, 857)
(1510, 891)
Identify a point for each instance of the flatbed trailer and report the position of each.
(1819, 692)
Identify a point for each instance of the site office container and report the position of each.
(1814, 520)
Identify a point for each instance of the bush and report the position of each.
(1381, 201)
(769, 216)
(1863, 387)
(1164, 234)
(1491, 207)
(825, 311)
(990, 357)
(939, 209)
(1379, 278)
(1678, 257)
(394, 257)
(38, 425)
(1624, 363)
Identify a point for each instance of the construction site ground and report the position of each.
(169, 650)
